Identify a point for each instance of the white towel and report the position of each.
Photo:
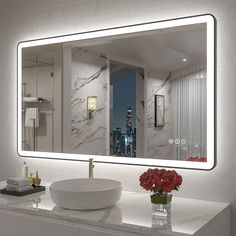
(30, 99)
(19, 181)
(18, 189)
(31, 114)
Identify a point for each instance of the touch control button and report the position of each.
(183, 141)
(177, 141)
(171, 141)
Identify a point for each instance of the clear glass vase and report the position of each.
(161, 222)
(161, 204)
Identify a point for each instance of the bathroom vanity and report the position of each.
(37, 215)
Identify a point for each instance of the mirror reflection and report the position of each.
(134, 95)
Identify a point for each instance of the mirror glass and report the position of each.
(141, 94)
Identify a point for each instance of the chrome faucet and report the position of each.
(91, 166)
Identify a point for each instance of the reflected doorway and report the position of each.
(125, 110)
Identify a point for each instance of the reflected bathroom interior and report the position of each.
(37, 86)
(142, 95)
(41, 99)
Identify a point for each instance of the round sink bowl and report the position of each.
(86, 194)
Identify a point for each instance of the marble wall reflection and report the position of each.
(140, 145)
(89, 78)
(157, 137)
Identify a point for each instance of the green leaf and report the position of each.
(161, 199)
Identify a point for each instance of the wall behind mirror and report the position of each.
(138, 95)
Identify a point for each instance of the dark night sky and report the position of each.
(124, 96)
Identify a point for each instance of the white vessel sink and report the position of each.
(86, 194)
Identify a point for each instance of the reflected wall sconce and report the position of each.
(91, 104)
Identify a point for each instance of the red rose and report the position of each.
(160, 180)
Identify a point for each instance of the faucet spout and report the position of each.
(91, 167)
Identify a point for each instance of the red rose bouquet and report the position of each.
(160, 182)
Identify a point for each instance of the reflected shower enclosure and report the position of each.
(38, 103)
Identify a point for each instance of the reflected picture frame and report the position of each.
(159, 111)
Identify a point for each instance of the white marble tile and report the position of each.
(89, 78)
(157, 137)
(140, 129)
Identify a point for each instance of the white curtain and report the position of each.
(190, 109)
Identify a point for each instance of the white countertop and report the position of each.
(133, 213)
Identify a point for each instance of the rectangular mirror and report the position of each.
(140, 94)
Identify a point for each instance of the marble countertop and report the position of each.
(132, 214)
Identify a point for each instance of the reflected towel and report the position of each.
(18, 189)
(19, 181)
(30, 99)
(31, 114)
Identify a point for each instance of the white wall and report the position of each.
(28, 19)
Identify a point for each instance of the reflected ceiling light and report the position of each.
(185, 60)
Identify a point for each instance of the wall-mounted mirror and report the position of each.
(141, 94)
